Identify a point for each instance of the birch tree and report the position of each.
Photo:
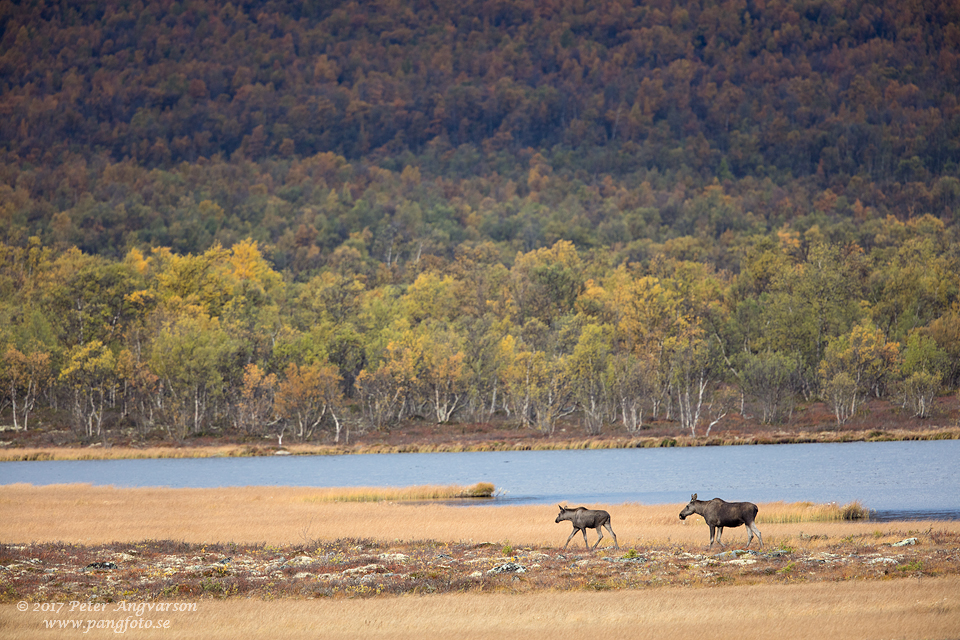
(24, 377)
(443, 373)
(90, 372)
(694, 372)
(309, 395)
(589, 377)
(190, 355)
(856, 364)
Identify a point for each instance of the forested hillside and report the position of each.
(291, 217)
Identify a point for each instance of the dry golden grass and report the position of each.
(118, 453)
(834, 611)
(292, 515)
(387, 494)
(781, 512)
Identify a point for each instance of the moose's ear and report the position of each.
(693, 497)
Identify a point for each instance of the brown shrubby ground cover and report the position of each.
(347, 568)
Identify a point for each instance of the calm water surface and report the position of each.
(896, 479)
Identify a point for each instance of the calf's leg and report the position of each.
(599, 533)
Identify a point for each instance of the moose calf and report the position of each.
(583, 519)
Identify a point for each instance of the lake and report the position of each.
(896, 479)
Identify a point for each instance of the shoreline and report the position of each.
(100, 452)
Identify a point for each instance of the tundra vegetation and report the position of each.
(308, 224)
(296, 553)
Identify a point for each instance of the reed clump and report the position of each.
(854, 511)
(791, 512)
(396, 494)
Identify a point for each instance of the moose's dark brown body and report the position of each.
(719, 514)
(583, 519)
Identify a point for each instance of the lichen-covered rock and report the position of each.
(509, 567)
(905, 543)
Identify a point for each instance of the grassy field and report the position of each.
(294, 515)
(291, 563)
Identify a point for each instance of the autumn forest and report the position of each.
(301, 219)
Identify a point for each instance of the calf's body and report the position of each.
(583, 519)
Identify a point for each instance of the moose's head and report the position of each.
(689, 509)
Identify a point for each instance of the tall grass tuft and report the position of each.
(383, 494)
(854, 511)
(781, 512)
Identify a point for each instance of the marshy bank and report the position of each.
(500, 441)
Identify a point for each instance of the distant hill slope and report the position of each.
(855, 102)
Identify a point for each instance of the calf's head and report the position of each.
(560, 517)
(689, 510)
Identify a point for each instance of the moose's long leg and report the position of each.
(719, 535)
(713, 532)
(610, 529)
(752, 528)
(570, 537)
(585, 543)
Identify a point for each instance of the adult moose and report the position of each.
(720, 514)
(583, 519)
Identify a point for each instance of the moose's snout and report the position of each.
(558, 519)
(683, 517)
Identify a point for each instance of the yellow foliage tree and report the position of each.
(255, 406)
(90, 371)
(24, 376)
(856, 364)
(307, 395)
(443, 373)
